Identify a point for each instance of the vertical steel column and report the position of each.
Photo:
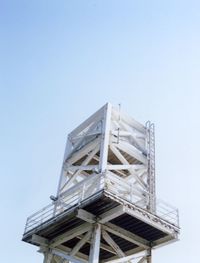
(95, 244)
(47, 257)
(67, 148)
(149, 256)
(105, 138)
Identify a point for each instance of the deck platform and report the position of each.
(133, 228)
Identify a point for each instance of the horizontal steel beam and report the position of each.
(72, 233)
(86, 216)
(111, 214)
(64, 255)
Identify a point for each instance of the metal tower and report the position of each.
(106, 208)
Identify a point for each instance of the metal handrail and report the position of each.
(163, 209)
(71, 197)
(113, 184)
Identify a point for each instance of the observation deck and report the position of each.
(108, 200)
(106, 209)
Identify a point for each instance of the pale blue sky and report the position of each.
(62, 60)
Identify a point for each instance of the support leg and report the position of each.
(146, 258)
(48, 257)
(149, 256)
(95, 244)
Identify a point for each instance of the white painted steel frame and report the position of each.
(109, 131)
(109, 151)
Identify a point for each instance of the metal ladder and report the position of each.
(150, 129)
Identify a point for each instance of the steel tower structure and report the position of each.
(106, 208)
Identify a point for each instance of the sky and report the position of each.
(62, 60)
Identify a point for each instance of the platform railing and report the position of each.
(67, 200)
(85, 189)
(167, 212)
(133, 194)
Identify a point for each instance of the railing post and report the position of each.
(82, 194)
(103, 176)
(131, 193)
(56, 204)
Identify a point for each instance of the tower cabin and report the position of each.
(106, 208)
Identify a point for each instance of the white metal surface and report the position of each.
(112, 153)
(95, 244)
(107, 132)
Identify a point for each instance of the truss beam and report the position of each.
(124, 161)
(78, 255)
(81, 243)
(64, 255)
(105, 137)
(112, 243)
(71, 234)
(102, 246)
(121, 232)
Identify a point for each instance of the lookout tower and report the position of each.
(106, 209)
